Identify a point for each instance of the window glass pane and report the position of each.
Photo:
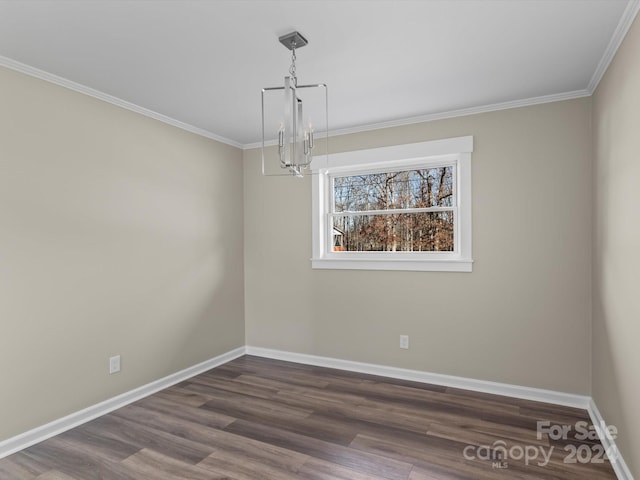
(422, 188)
(394, 232)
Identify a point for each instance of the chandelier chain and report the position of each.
(292, 69)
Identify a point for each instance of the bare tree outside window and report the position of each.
(402, 211)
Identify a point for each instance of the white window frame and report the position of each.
(452, 151)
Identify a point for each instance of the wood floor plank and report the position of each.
(485, 433)
(436, 473)
(269, 463)
(360, 461)
(429, 454)
(242, 449)
(237, 385)
(53, 475)
(201, 416)
(426, 455)
(195, 434)
(22, 466)
(317, 469)
(279, 381)
(378, 414)
(315, 426)
(243, 406)
(153, 465)
(180, 396)
(228, 449)
(58, 455)
(541, 407)
(85, 439)
(561, 416)
(420, 398)
(143, 436)
(261, 419)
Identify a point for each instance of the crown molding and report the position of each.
(527, 102)
(105, 97)
(628, 16)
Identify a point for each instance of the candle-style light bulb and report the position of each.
(281, 135)
(310, 135)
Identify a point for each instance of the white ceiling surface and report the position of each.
(204, 63)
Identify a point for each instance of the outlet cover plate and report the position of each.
(114, 364)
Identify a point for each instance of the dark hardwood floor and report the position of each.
(260, 419)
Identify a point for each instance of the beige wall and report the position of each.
(122, 235)
(118, 235)
(522, 317)
(616, 297)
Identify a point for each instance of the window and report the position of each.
(406, 207)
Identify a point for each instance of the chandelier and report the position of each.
(294, 117)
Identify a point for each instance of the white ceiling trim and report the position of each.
(624, 24)
(105, 97)
(622, 28)
(556, 97)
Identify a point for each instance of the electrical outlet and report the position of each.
(114, 364)
(404, 341)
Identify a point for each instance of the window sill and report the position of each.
(414, 265)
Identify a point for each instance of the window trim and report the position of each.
(455, 151)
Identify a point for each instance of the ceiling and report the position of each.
(202, 64)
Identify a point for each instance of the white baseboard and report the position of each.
(609, 444)
(31, 437)
(517, 391)
(527, 393)
(24, 440)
